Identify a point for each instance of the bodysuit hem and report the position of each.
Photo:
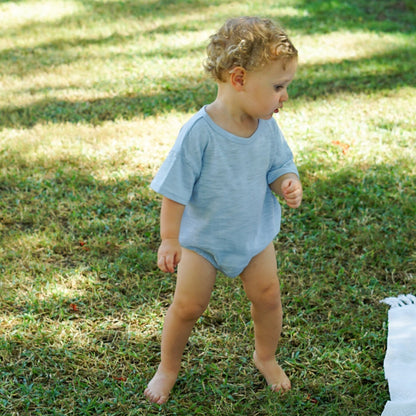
(211, 258)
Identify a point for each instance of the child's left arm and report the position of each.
(289, 187)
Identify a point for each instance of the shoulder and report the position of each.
(194, 133)
(192, 140)
(271, 133)
(270, 127)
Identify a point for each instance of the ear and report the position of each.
(238, 77)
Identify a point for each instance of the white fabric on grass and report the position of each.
(400, 359)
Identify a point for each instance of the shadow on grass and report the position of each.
(382, 72)
(349, 245)
(180, 95)
(60, 220)
(148, 9)
(324, 16)
(319, 16)
(48, 379)
(359, 221)
(61, 52)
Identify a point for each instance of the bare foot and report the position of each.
(160, 386)
(275, 377)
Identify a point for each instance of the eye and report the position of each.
(278, 88)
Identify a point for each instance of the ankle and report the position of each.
(169, 370)
(264, 358)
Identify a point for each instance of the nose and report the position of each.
(285, 96)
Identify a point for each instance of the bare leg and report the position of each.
(195, 281)
(262, 287)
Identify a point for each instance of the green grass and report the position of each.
(92, 95)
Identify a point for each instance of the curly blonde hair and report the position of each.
(249, 42)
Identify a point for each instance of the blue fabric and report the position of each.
(231, 214)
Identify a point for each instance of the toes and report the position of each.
(287, 386)
(149, 394)
(154, 398)
(278, 388)
(281, 387)
(162, 400)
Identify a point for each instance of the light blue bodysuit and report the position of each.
(223, 180)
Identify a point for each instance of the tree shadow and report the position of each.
(147, 9)
(358, 219)
(179, 94)
(43, 375)
(385, 71)
(351, 243)
(64, 51)
(372, 15)
(65, 225)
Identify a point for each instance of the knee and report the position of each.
(268, 297)
(188, 310)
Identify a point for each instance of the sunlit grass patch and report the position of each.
(114, 150)
(17, 15)
(337, 46)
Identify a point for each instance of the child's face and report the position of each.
(266, 89)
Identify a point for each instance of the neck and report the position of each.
(227, 112)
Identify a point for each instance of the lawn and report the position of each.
(92, 95)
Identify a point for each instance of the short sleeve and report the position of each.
(175, 179)
(180, 171)
(288, 167)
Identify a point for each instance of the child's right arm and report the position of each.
(169, 253)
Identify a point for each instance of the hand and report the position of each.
(292, 192)
(169, 255)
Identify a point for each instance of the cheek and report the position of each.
(276, 98)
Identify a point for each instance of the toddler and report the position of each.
(218, 208)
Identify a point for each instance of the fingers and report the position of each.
(167, 263)
(168, 257)
(293, 200)
(292, 192)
